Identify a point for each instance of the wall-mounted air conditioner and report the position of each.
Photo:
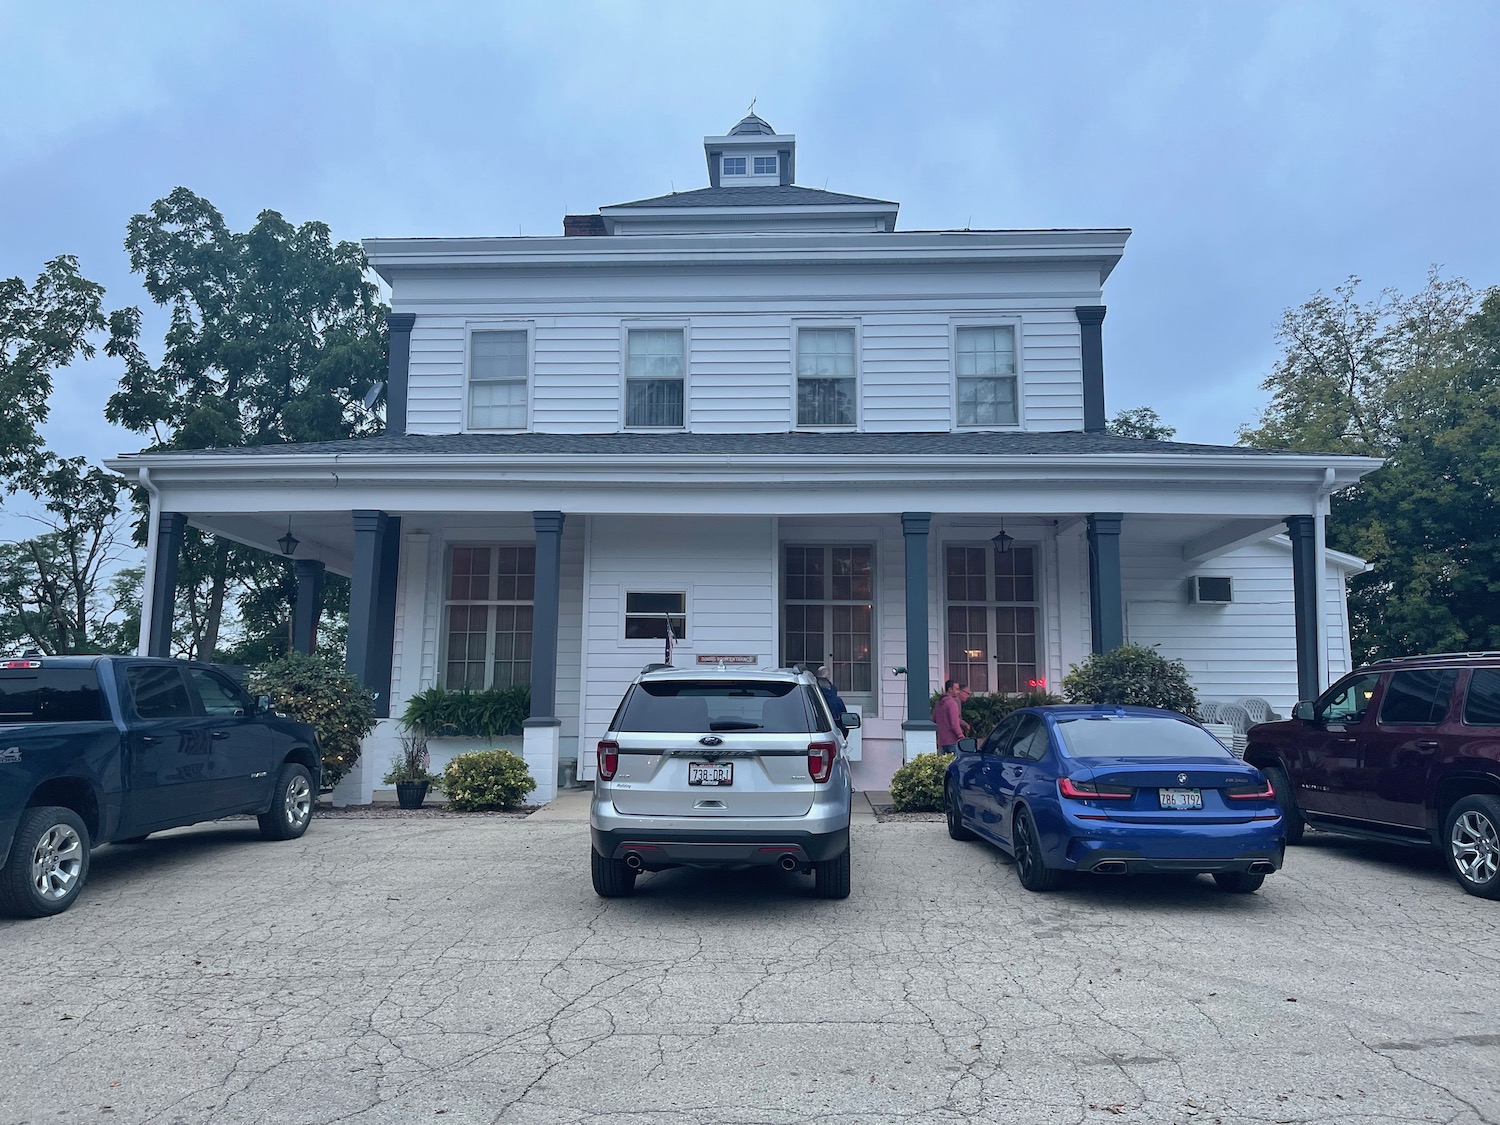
(1204, 589)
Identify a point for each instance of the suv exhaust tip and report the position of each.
(633, 862)
(788, 862)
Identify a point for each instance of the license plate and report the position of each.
(710, 773)
(1181, 799)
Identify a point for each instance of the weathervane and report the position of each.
(752, 106)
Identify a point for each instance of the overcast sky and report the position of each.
(1259, 151)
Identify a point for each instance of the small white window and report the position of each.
(497, 380)
(647, 615)
(734, 165)
(825, 377)
(654, 378)
(986, 375)
(765, 165)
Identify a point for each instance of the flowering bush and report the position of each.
(486, 779)
(318, 691)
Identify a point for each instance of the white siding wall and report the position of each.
(741, 363)
(727, 568)
(1246, 648)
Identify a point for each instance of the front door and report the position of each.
(1325, 774)
(171, 778)
(240, 739)
(1027, 748)
(981, 777)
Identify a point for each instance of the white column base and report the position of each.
(915, 742)
(357, 787)
(539, 748)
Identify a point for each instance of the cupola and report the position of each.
(751, 154)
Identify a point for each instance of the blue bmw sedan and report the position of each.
(1113, 790)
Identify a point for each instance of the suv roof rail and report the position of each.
(655, 666)
(1432, 656)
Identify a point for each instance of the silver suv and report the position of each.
(722, 769)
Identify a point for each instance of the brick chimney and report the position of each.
(583, 226)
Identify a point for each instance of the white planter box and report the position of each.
(441, 751)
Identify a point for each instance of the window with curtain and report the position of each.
(654, 370)
(487, 616)
(828, 613)
(985, 370)
(825, 377)
(498, 365)
(993, 618)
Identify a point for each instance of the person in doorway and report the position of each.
(945, 713)
(830, 693)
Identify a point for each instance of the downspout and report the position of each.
(148, 594)
(1322, 506)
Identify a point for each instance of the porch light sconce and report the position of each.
(288, 542)
(1002, 541)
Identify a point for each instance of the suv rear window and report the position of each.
(1418, 697)
(695, 706)
(1482, 708)
(50, 695)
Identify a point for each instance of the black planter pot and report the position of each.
(411, 794)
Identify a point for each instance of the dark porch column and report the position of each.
(1305, 600)
(310, 578)
(1106, 607)
(914, 527)
(1091, 328)
(549, 526)
(372, 603)
(169, 529)
(400, 325)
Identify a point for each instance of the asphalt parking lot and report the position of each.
(462, 970)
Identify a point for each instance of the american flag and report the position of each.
(670, 638)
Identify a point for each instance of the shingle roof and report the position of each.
(751, 125)
(790, 445)
(767, 195)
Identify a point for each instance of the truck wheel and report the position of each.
(1291, 815)
(831, 877)
(49, 862)
(1472, 834)
(612, 879)
(291, 805)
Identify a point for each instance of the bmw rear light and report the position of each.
(820, 757)
(1093, 790)
(1256, 791)
(609, 758)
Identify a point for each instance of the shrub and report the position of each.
(316, 690)
(918, 785)
(1132, 675)
(984, 712)
(486, 779)
(495, 713)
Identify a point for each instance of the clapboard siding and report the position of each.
(726, 566)
(739, 375)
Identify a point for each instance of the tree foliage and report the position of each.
(275, 335)
(1141, 422)
(317, 690)
(1132, 675)
(55, 588)
(43, 328)
(1415, 380)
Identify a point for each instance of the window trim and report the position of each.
(655, 643)
(1039, 605)
(444, 569)
(848, 324)
(724, 162)
(773, 170)
(629, 325)
(470, 328)
(1015, 323)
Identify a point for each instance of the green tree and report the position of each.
(1141, 422)
(1415, 380)
(276, 333)
(54, 592)
(43, 328)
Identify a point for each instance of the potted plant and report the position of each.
(463, 720)
(408, 771)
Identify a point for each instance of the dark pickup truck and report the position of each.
(108, 749)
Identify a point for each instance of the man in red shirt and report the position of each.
(946, 714)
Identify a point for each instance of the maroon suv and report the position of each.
(1401, 750)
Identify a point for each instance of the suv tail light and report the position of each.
(609, 758)
(1253, 792)
(820, 756)
(1093, 790)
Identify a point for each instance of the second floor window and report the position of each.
(985, 366)
(765, 166)
(734, 166)
(497, 380)
(825, 377)
(654, 370)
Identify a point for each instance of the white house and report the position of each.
(765, 413)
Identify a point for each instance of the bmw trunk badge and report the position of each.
(1181, 778)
